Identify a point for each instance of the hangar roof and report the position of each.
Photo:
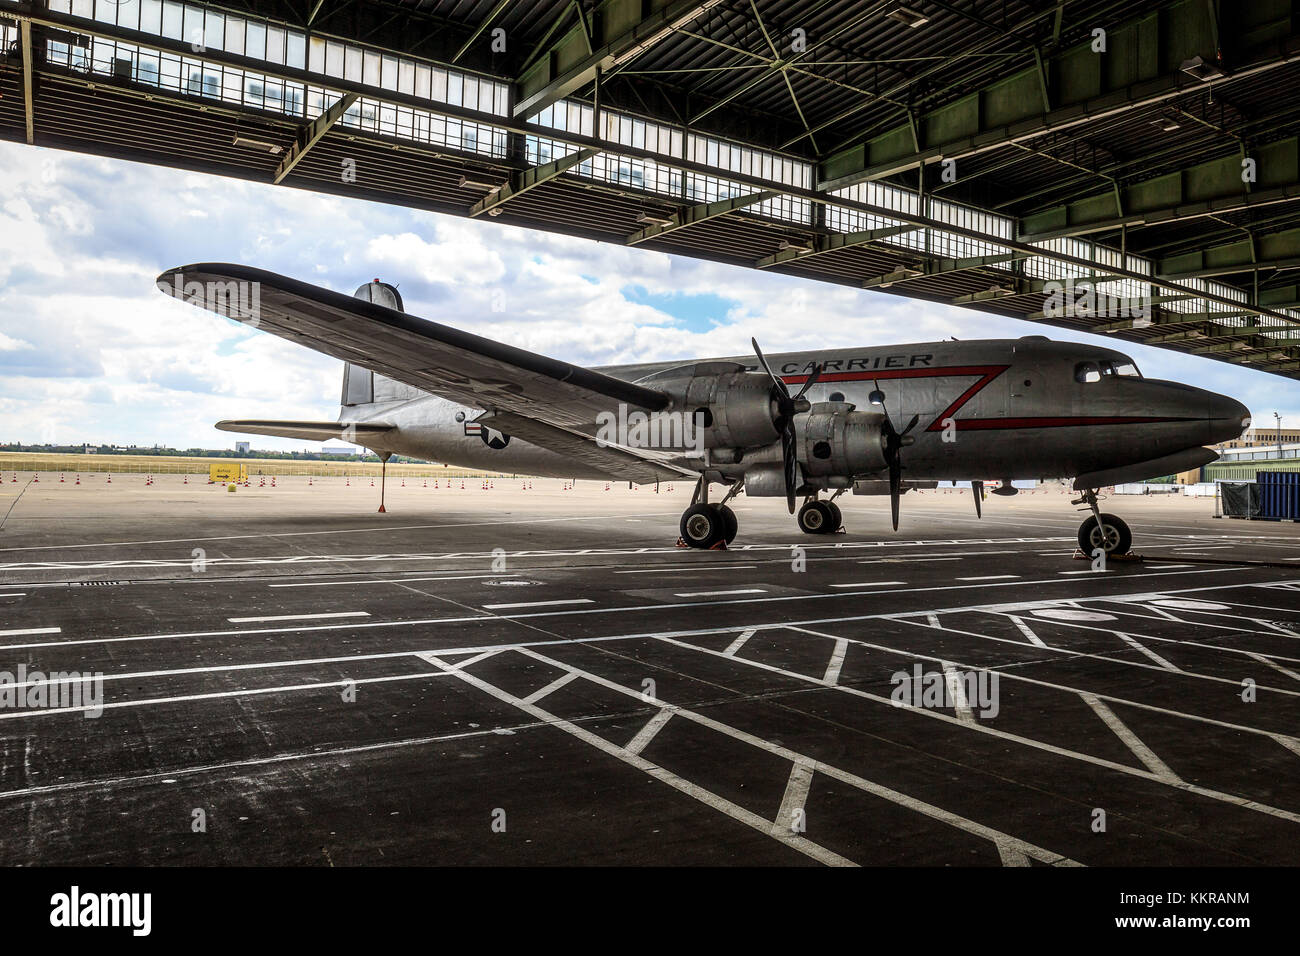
(1104, 165)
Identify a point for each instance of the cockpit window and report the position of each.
(1089, 372)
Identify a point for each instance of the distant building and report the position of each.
(241, 447)
(337, 450)
(90, 450)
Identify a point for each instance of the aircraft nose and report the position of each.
(1227, 417)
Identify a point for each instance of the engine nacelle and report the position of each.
(837, 440)
(736, 407)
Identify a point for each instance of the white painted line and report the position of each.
(1085, 571)
(991, 577)
(932, 620)
(739, 642)
(1132, 642)
(869, 584)
(1273, 664)
(790, 817)
(503, 607)
(835, 773)
(707, 797)
(837, 662)
(1011, 857)
(296, 617)
(1140, 750)
(550, 688)
(722, 593)
(957, 691)
(21, 594)
(32, 630)
(1290, 743)
(694, 568)
(648, 732)
(1170, 567)
(1026, 630)
(339, 584)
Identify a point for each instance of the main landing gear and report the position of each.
(706, 525)
(820, 517)
(1105, 531)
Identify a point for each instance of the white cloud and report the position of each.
(90, 351)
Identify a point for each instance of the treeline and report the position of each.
(195, 453)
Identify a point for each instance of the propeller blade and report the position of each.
(895, 483)
(785, 392)
(812, 380)
(910, 425)
(977, 489)
(790, 452)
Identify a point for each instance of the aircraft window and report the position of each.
(1127, 368)
(1087, 372)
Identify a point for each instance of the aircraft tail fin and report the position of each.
(361, 386)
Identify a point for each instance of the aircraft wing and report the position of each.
(458, 365)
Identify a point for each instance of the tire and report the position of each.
(816, 517)
(1119, 539)
(730, 524)
(837, 518)
(702, 526)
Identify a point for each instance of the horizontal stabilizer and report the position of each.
(1155, 468)
(356, 433)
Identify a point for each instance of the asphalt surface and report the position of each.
(532, 674)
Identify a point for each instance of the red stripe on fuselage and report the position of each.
(987, 374)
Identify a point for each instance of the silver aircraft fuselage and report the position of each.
(1000, 408)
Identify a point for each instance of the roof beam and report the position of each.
(1275, 250)
(696, 214)
(530, 178)
(963, 128)
(569, 65)
(938, 267)
(1217, 184)
(833, 242)
(487, 21)
(311, 134)
(29, 111)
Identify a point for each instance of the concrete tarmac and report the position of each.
(531, 673)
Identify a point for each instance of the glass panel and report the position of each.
(406, 77)
(352, 63)
(214, 32)
(423, 75)
(171, 19)
(316, 58)
(369, 68)
(275, 44)
(388, 73)
(235, 35)
(334, 59)
(255, 40)
(297, 46)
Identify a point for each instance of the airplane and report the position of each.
(871, 421)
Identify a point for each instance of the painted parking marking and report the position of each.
(296, 617)
(506, 607)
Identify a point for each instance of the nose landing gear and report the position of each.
(1105, 531)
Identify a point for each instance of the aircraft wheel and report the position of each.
(816, 517)
(730, 525)
(837, 518)
(1117, 538)
(703, 526)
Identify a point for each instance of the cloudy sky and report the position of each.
(90, 351)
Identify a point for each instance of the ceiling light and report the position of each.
(785, 245)
(248, 141)
(646, 219)
(466, 183)
(1201, 69)
(1166, 123)
(907, 16)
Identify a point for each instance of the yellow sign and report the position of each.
(234, 471)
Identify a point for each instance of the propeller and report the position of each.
(895, 441)
(977, 489)
(787, 407)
